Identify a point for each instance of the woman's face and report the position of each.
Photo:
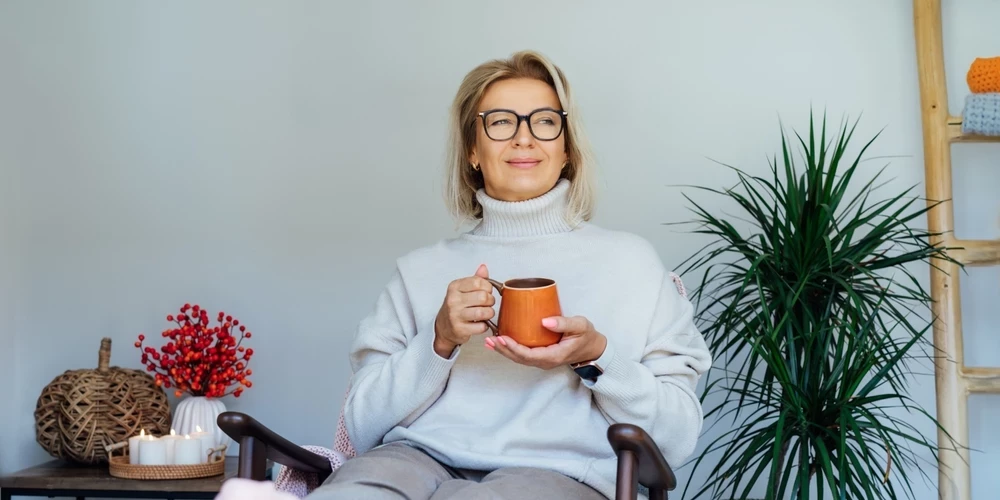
(517, 165)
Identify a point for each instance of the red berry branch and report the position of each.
(201, 359)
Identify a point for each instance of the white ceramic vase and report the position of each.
(193, 412)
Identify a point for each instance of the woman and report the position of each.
(438, 408)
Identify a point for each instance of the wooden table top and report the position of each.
(60, 475)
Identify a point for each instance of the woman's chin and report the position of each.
(527, 188)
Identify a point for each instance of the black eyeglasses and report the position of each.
(544, 124)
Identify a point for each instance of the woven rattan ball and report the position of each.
(82, 411)
(152, 400)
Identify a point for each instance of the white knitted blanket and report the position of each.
(299, 483)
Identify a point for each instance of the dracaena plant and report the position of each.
(809, 305)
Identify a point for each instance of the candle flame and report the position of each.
(197, 428)
(173, 432)
(142, 432)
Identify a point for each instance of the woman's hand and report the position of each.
(468, 303)
(580, 342)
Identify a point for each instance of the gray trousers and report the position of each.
(399, 472)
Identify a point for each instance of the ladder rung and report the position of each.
(955, 133)
(975, 252)
(983, 380)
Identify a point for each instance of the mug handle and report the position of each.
(499, 287)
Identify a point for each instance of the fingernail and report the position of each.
(489, 342)
(490, 347)
(502, 341)
(549, 322)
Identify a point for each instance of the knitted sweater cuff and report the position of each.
(604, 361)
(618, 383)
(435, 368)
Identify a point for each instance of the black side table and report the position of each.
(61, 479)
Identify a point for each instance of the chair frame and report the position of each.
(640, 461)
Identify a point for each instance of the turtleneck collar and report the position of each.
(543, 215)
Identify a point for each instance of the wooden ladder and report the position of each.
(954, 381)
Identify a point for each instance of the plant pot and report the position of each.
(195, 412)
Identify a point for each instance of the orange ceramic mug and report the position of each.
(524, 302)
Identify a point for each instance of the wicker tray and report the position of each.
(119, 466)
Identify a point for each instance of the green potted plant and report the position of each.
(811, 311)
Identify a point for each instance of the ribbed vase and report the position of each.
(199, 411)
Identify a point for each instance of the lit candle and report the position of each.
(187, 451)
(152, 451)
(170, 441)
(207, 440)
(133, 446)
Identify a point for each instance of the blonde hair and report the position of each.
(462, 181)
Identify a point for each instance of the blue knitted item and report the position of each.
(981, 115)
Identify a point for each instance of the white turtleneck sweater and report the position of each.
(479, 410)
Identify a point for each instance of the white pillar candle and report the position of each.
(187, 451)
(170, 441)
(133, 446)
(152, 451)
(207, 440)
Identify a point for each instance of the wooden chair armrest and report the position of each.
(258, 443)
(639, 462)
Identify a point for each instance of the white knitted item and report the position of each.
(300, 483)
(236, 488)
(679, 284)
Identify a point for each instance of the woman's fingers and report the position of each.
(476, 313)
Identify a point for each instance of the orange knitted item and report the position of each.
(984, 75)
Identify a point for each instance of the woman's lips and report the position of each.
(523, 162)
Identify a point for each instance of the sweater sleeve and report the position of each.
(397, 373)
(657, 392)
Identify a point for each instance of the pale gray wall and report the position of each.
(272, 159)
(9, 386)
